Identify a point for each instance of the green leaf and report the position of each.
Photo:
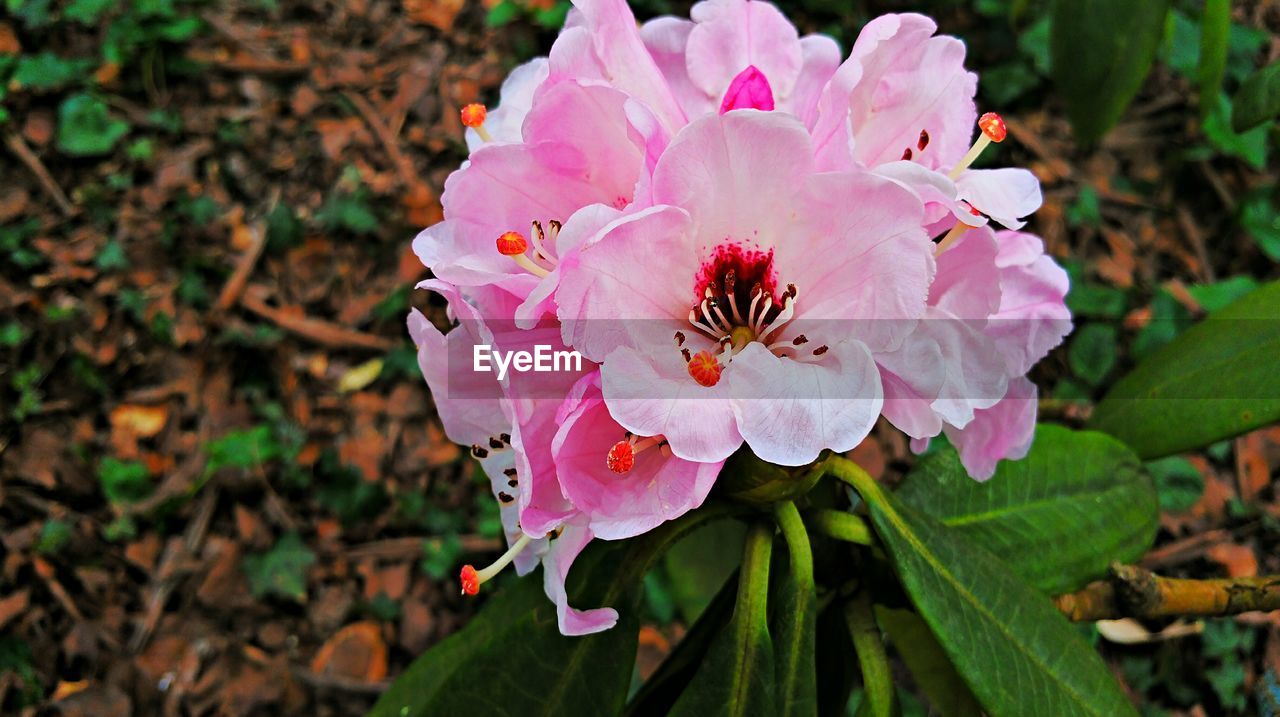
(87, 12)
(1251, 146)
(1214, 33)
(737, 675)
(665, 686)
(1258, 99)
(1168, 319)
(1219, 295)
(124, 482)
(1260, 216)
(1092, 353)
(1215, 381)
(1018, 654)
(1096, 300)
(1178, 482)
(793, 619)
(928, 663)
(281, 571)
(698, 565)
(47, 71)
(85, 127)
(243, 449)
(1102, 50)
(54, 536)
(1058, 517)
(511, 659)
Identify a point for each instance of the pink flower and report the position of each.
(578, 150)
(1004, 298)
(511, 439)
(751, 242)
(748, 304)
(625, 485)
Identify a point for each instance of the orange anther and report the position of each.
(992, 126)
(621, 457)
(473, 115)
(512, 244)
(470, 580)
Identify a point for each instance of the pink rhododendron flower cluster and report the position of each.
(749, 241)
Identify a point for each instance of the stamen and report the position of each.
(472, 579)
(730, 287)
(758, 324)
(906, 154)
(788, 310)
(924, 140)
(993, 130)
(951, 238)
(693, 320)
(473, 116)
(479, 451)
(514, 245)
(680, 338)
(539, 243)
(705, 369)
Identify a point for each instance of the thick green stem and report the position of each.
(752, 606)
(877, 680)
(849, 472)
(795, 636)
(841, 526)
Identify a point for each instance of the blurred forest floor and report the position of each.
(223, 490)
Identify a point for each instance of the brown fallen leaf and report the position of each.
(9, 44)
(436, 13)
(1239, 560)
(357, 651)
(14, 605)
(140, 421)
(1253, 475)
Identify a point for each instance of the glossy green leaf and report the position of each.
(511, 659)
(698, 565)
(793, 619)
(1215, 31)
(1058, 517)
(1214, 381)
(1017, 653)
(1092, 353)
(1102, 51)
(929, 665)
(664, 687)
(737, 676)
(1258, 99)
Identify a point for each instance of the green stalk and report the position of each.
(841, 526)
(877, 680)
(795, 633)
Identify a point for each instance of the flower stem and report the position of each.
(841, 526)
(795, 619)
(877, 680)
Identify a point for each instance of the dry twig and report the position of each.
(1132, 591)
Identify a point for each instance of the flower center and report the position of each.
(736, 304)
